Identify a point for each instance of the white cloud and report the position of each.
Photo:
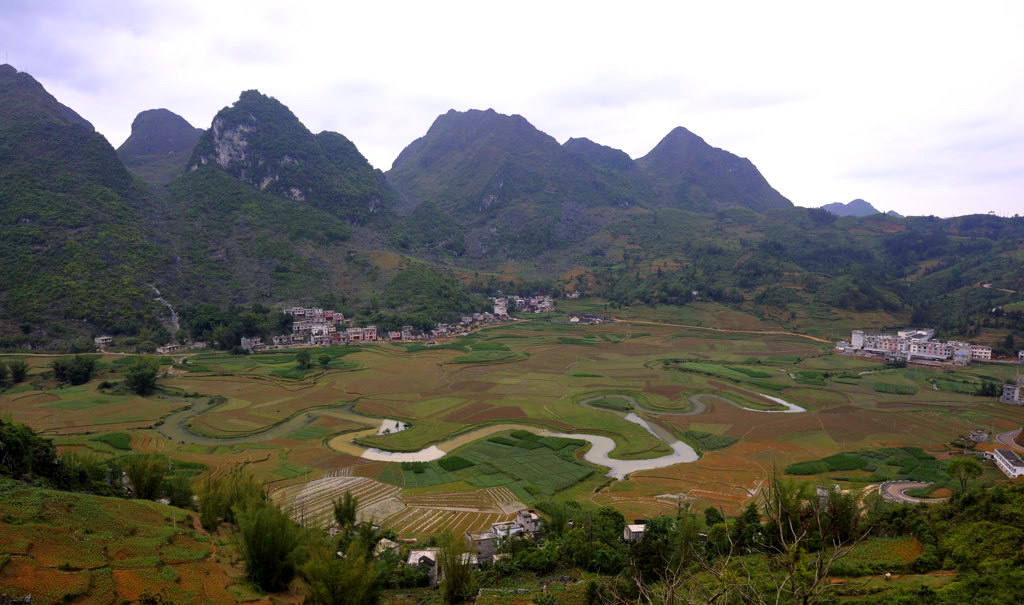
(910, 105)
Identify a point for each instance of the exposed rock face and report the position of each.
(260, 142)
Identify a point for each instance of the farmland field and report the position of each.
(477, 410)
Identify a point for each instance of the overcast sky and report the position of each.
(916, 107)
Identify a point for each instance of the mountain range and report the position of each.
(256, 209)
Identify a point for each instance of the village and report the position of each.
(324, 327)
(915, 343)
(318, 327)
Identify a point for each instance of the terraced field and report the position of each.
(223, 411)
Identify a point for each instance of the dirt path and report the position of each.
(723, 330)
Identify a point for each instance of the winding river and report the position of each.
(176, 427)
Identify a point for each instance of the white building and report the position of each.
(1009, 462)
(633, 532)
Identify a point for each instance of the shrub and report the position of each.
(454, 463)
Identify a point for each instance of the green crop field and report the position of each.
(708, 387)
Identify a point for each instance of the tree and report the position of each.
(458, 584)
(269, 543)
(74, 370)
(713, 516)
(303, 359)
(19, 370)
(963, 470)
(221, 497)
(354, 579)
(140, 377)
(145, 474)
(3, 374)
(325, 360)
(345, 511)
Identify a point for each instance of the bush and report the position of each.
(140, 377)
(809, 467)
(74, 370)
(454, 463)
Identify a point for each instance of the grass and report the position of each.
(120, 441)
(708, 441)
(884, 464)
(546, 465)
(612, 403)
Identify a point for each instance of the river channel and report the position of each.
(176, 427)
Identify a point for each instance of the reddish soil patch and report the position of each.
(666, 391)
(21, 576)
(37, 398)
(505, 412)
(471, 386)
(843, 409)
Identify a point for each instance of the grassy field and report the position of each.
(258, 411)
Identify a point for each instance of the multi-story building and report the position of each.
(917, 343)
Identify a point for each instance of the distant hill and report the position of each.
(159, 146)
(260, 141)
(857, 207)
(515, 189)
(527, 194)
(73, 241)
(687, 172)
(265, 212)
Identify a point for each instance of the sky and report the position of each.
(916, 107)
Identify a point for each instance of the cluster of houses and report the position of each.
(321, 327)
(915, 343)
(103, 343)
(540, 303)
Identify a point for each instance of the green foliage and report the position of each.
(120, 441)
(18, 369)
(25, 454)
(886, 463)
(708, 441)
(282, 156)
(963, 470)
(221, 497)
(269, 543)
(74, 370)
(421, 291)
(140, 377)
(458, 584)
(145, 474)
(304, 360)
(354, 579)
(454, 463)
(896, 389)
(345, 510)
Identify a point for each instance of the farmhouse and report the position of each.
(102, 342)
(1013, 393)
(633, 531)
(1009, 462)
(425, 558)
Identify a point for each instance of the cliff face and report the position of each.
(260, 142)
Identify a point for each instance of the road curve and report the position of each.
(894, 491)
(1007, 439)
